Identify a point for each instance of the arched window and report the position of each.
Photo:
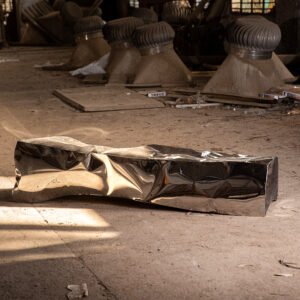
(252, 6)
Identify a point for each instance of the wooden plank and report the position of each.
(186, 91)
(199, 105)
(100, 99)
(181, 96)
(239, 102)
(242, 99)
(142, 85)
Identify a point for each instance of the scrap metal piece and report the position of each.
(282, 92)
(157, 94)
(292, 92)
(77, 291)
(274, 94)
(284, 275)
(53, 167)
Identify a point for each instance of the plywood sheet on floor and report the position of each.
(112, 98)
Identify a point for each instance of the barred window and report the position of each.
(7, 5)
(252, 6)
(134, 3)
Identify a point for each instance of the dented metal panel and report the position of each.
(49, 168)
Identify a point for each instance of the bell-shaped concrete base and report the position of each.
(86, 52)
(122, 64)
(164, 68)
(124, 56)
(247, 77)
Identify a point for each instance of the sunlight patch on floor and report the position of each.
(28, 233)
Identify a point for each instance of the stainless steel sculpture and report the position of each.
(53, 167)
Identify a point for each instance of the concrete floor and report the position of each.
(125, 250)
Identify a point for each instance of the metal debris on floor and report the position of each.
(276, 98)
(77, 291)
(206, 181)
(284, 275)
(289, 264)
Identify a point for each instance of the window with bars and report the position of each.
(7, 5)
(252, 6)
(134, 3)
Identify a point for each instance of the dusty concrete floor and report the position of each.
(124, 250)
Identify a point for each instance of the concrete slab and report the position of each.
(100, 99)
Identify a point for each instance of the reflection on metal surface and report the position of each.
(53, 167)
